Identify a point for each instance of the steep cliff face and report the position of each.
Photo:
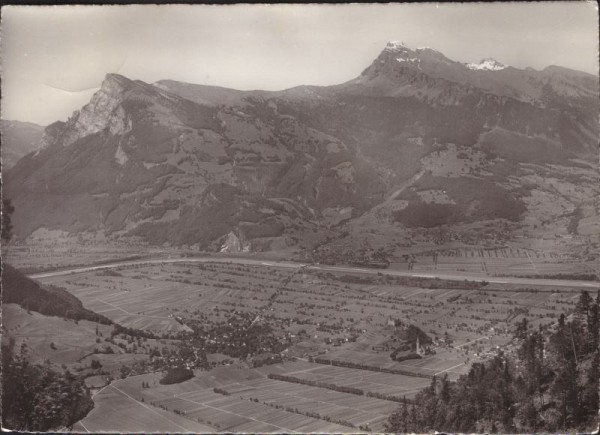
(139, 160)
(104, 111)
(233, 243)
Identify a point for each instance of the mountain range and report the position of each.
(483, 153)
(18, 140)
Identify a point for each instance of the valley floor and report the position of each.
(336, 325)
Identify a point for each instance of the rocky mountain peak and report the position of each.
(487, 64)
(397, 51)
(397, 57)
(396, 46)
(113, 86)
(103, 111)
(432, 54)
(113, 79)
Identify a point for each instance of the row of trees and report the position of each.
(360, 366)
(550, 384)
(319, 384)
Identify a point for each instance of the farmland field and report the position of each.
(71, 341)
(256, 403)
(116, 411)
(149, 296)
(547, 258)
(333, 334)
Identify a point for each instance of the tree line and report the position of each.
(48, 300)
(353, 365)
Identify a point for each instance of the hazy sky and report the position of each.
(55, 57)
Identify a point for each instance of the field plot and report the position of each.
(116, 411)
(48, 251)
(130, 302)
(256, 403)
(546, 260)
(358, 410)
(368, 381)
(194, 404)
(58, 340)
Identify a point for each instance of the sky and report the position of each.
(53, 58)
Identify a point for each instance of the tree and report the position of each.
(398, 421)
(7, 211)
(522, 328)
(124, 371)
(593, 327)
(565, 390)
(583, 304)
(589, 396)
(582, 309)
(176, 375)
(37, 398)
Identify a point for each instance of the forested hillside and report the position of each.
(37, 398)
(49, 300)
(549, 384)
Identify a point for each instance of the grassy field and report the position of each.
(71, 340)
(384, 383)
(72, 345)
(116, 411)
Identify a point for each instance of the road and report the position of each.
(404, 185)
(325, 268)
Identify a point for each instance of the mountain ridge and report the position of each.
(186, 164)
(19, 138)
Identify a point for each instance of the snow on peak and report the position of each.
(488, 64)
(396, 46)
(408, 59)
(427, 49)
